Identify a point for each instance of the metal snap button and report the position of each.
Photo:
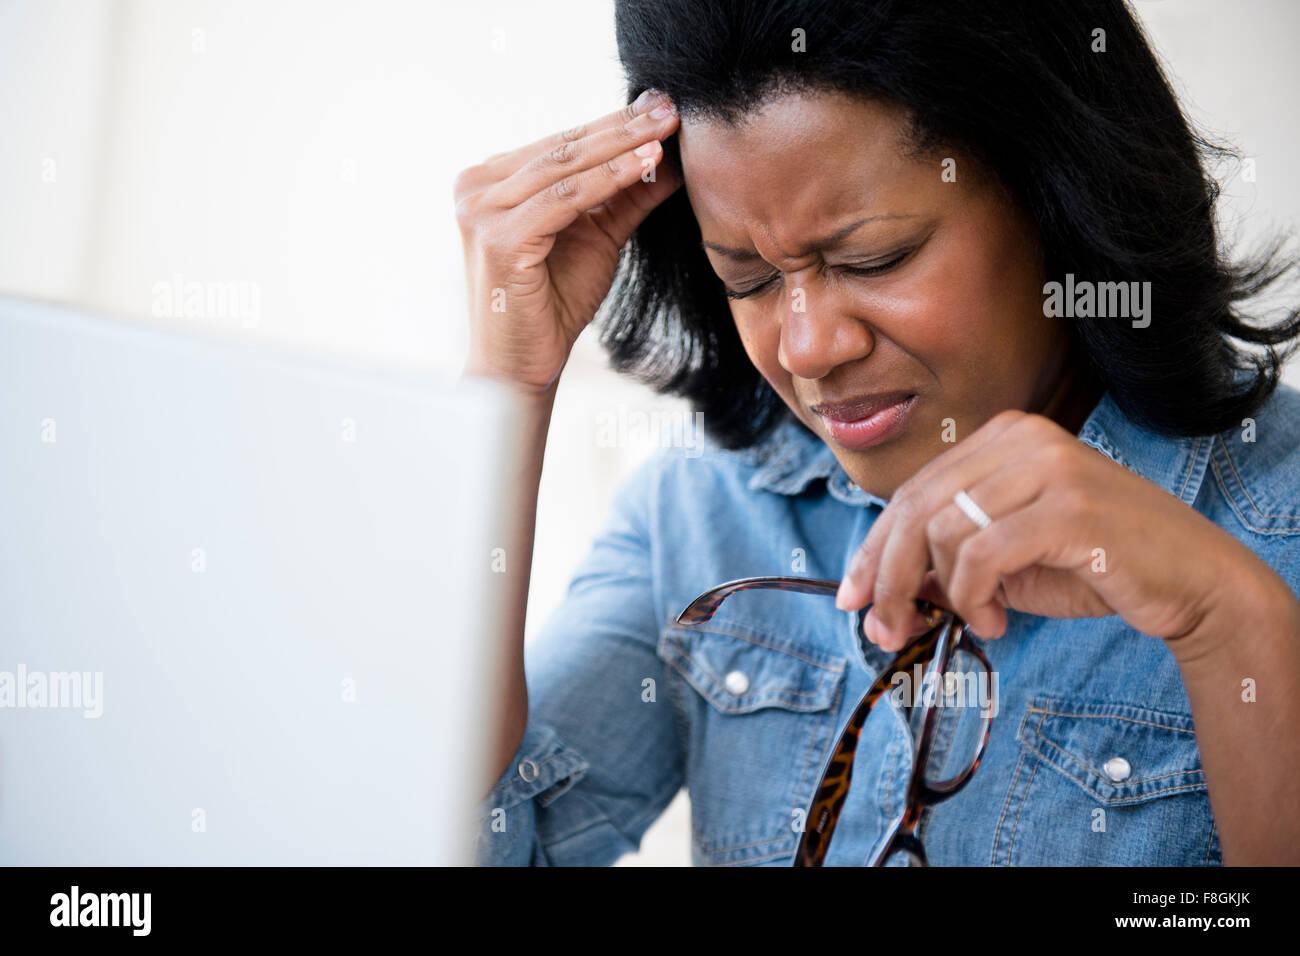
(736, 683)
(1117, 769)
(528, 770)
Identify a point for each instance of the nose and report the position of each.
(821, 328)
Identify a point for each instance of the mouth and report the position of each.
(866, 420)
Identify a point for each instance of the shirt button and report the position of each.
(1117, 769)
(737, 683)
(528, 770)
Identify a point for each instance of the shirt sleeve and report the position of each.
(600, 757)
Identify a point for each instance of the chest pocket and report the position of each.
(1106, 784)
(756, 714)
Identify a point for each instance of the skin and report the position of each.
(959, 323)
(966, 301)
(542, 226)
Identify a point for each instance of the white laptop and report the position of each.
(245, 601)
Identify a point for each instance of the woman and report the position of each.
(896, 254)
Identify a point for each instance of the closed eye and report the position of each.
(851, 270)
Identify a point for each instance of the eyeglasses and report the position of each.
(933, 652)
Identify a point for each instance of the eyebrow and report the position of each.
(747, 255)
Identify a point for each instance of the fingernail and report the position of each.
(645, 99)
(648, 149)
(663, 111)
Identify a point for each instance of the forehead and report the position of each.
(800, 162)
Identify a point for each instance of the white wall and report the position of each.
(53, 57)
(307, 150)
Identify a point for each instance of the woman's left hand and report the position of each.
(1073, 534)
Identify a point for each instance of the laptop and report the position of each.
(246, 601)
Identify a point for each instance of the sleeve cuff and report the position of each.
(542, 769)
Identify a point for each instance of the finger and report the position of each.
(916, 626)
(1039, 534)
(1004, 437)
(1017, 485)
(571, 159)
(551, 212)
(1006, 490)
(902, 565)
(932, 592)
(503, 165)
(1050, 592)
(855, 590)
(619, 216)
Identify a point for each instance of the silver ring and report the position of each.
(971, 509)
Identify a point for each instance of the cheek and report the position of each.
(974, 310)
(762, 341)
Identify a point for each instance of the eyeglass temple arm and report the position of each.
(706, 605)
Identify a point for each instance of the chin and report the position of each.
(877, 471)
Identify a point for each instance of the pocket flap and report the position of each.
(1118, 753)
(738, 672)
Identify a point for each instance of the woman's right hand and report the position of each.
(542, 227)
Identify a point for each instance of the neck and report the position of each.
(1072, 400)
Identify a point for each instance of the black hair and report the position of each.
(1093, 144)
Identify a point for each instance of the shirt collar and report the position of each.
(791, 457)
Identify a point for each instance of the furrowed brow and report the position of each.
(748, 255)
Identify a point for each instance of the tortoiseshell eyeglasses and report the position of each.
(934, 651)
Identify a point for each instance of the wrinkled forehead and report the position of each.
(797, 165)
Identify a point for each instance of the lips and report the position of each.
(865, 421)
(860, 407)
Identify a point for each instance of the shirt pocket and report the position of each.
(756, 714)
(1101, 783)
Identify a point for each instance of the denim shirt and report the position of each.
(1092, 757)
